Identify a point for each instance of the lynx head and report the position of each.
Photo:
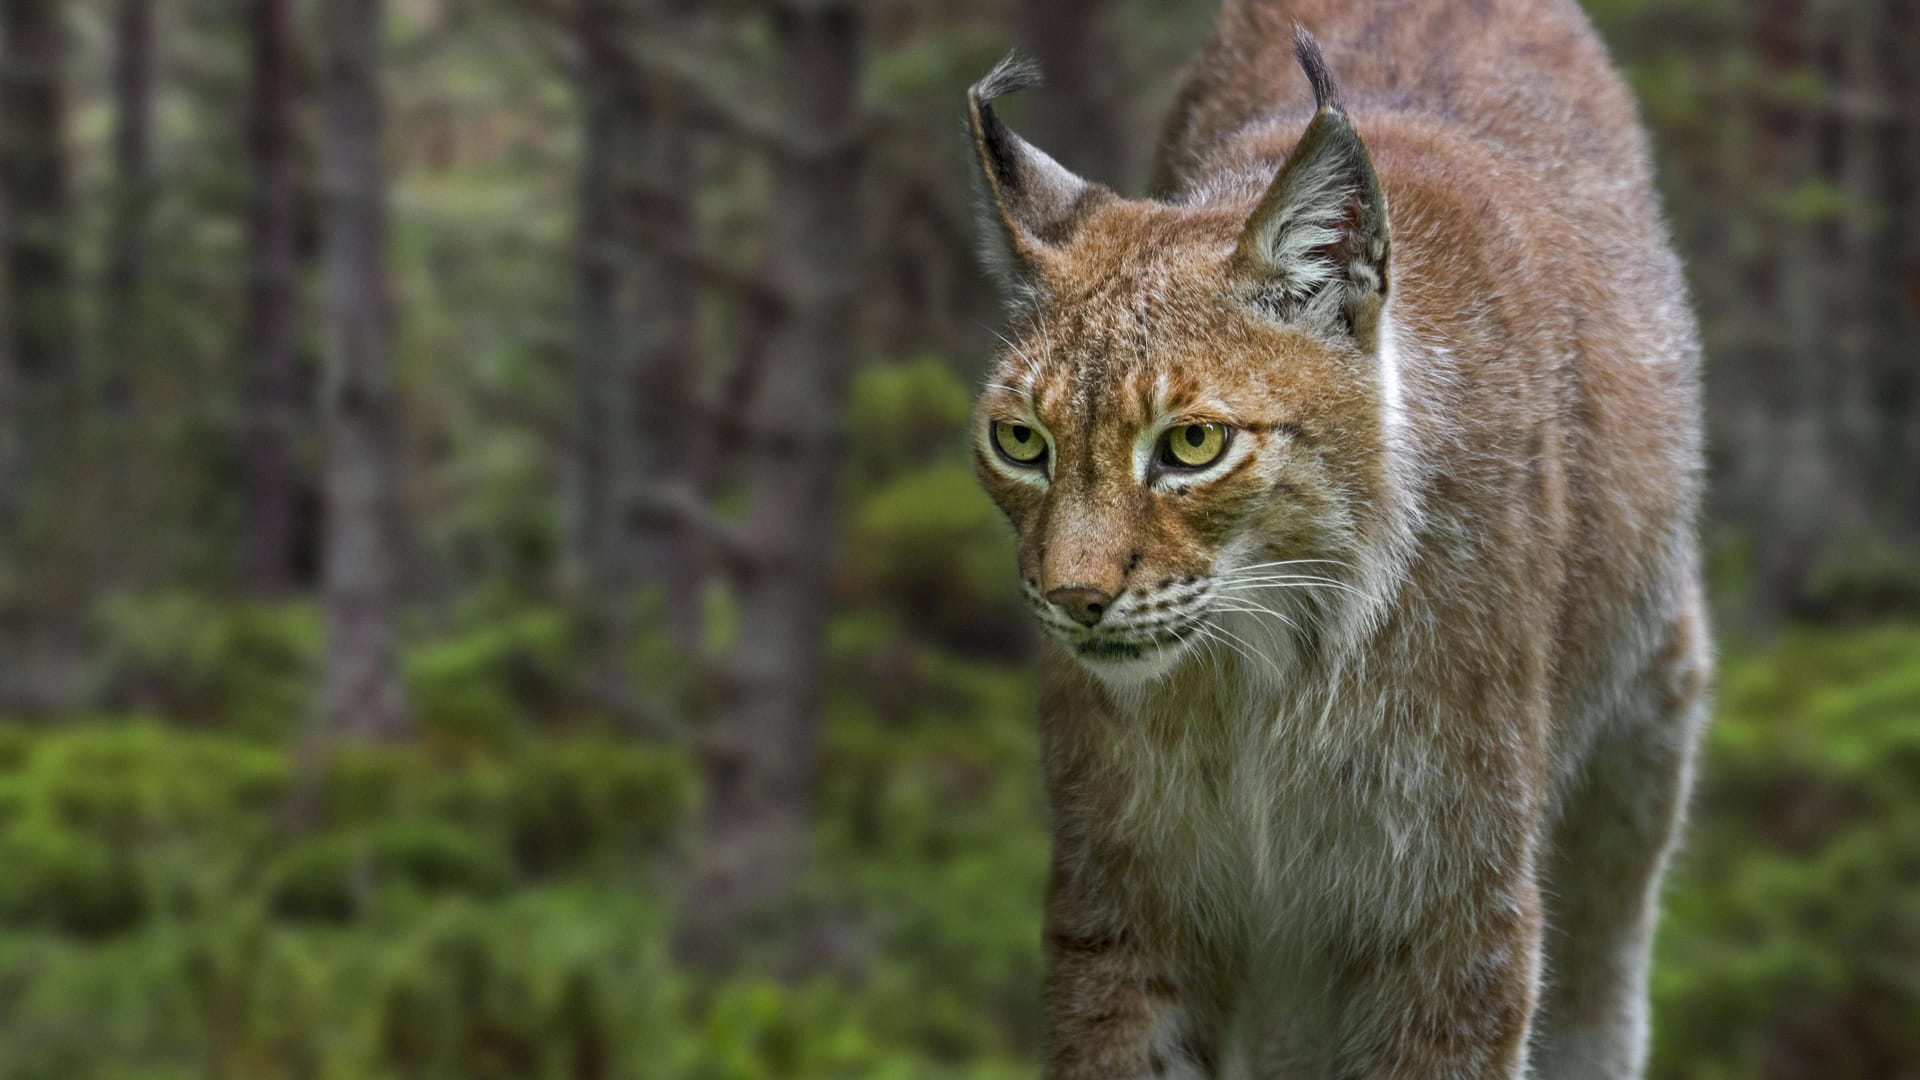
(1188, 426)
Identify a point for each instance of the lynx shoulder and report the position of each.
(1354, 476)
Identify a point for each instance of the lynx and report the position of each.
(1354, 476)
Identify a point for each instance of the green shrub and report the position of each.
(477, 688)
(552, 804)
(369, 782)
(572, 799)
(482, 994)
(128, 783)
(211, 662)
(53, 878)
(906, 414)
(930, 546)
(460, 1011)
(335, 878)
(1792, 931)
(16, 745)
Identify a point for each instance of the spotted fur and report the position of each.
(1366, 743)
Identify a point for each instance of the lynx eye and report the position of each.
(1018, 443)
(1193, 446)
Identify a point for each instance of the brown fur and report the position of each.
(1406, 818)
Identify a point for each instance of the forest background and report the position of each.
(492, 583)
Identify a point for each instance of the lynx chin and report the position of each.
(1354, 474)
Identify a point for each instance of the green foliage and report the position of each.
(336, 877)
(934, 545)
(1866, 580)
(923, 541)
(567, 802)
(905, 414)
(478, 687)
(496, 906)
(245, 666)
(1793, 924)
(197, 893)
(62, 880)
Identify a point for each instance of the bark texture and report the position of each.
(362, 695)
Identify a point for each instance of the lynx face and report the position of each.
(1186, 427)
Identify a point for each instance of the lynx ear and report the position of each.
(1034, 201)
(1315, 250)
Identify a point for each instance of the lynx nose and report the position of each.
(1083, 604)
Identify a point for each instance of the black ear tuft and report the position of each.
(1015, 72)
(1034, 203)
(1315, 251)
(1314, 63)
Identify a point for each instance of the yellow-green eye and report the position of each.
(1193, 446)
(1018, 443)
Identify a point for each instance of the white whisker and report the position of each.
(1285, 562)
(1248, 651)
(1256, 610)
(1291, 582)
(1032, 365)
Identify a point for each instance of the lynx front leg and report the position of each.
(1455, 1000)
(1609, 850)
(1114, 1009)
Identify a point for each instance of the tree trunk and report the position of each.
(114, 431)
(600, 575)
(664, 439)
(39, 381)
(1900, 382)
(36, 332)
(597, 270)
(133, 202)
(1081, 120)
(760, 755)
(634, 433)
(272, 410)
(1885, 171)
(1793, 370)
(362, 693)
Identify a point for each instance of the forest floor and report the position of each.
(177, 901)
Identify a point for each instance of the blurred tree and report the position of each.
(38, 377)
(635, 429)
(1081, 121)
(596, 574)
(664, 441)
(270, 340)
(1790, 161)
(33, 188)
(1837, 386)
(760, 753)
(362, 690)
(133, 57)
(126, 277)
